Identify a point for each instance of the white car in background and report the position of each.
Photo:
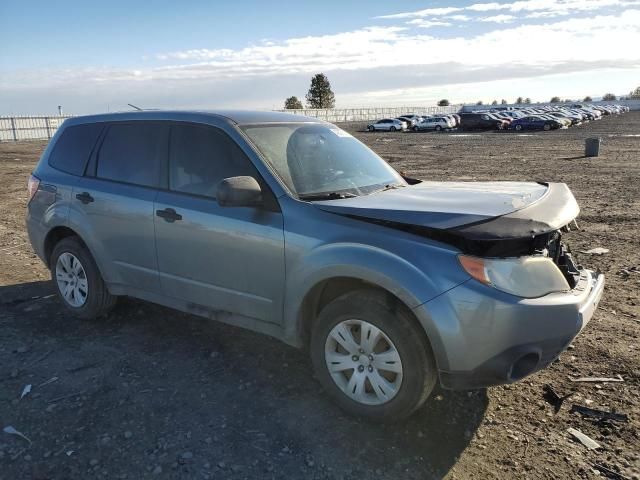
(388, 125)
(433, 123)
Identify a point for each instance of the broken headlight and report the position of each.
(527, 277)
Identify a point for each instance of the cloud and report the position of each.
(458, 18)
(427, 12)
(498, 19)
(425, 23)
(363, 60)
(545, 8)
(562, 41)
(487, 7)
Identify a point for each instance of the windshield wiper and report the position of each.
(389, 187)
(326, 196)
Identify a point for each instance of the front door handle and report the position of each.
(169, 214)
(84, 197)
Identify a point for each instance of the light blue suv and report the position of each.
(289, 226)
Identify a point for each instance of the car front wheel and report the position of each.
(392, 129)
(78, 281)
(372, 356)
(371, 128)
(546, 127)
(518, 127)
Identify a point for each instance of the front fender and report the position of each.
(411, 284)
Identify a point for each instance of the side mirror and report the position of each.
(239, 192)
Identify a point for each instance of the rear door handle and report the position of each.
(169, 214)
(84, 197)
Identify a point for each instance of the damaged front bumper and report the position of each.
(487, 337)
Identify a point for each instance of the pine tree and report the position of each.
(320, 94)
(293, 103)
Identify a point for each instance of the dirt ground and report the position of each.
(153, 393)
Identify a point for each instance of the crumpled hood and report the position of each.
(441, 205)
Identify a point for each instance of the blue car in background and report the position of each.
(534, 122)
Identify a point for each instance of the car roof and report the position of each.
(239, 117)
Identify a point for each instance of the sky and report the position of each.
(99, 56)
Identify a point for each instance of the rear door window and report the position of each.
(133, 153)
(73, 148)
(201, 156)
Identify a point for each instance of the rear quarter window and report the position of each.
(73, 148)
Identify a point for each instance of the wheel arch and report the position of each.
(328, 289)
(54, 236)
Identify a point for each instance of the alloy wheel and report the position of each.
(72, 280)
(363, 362)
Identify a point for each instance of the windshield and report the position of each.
(315, 159)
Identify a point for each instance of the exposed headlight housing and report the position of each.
(527, 277)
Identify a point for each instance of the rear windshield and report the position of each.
(73, 148)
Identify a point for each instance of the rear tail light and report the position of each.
(32, 186)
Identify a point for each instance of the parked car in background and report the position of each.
(535, 122)
(291, 227)
(387, 124)
(567, 117)
(410, 122)
(432, 123)
(563, 120)
(481, 121)
(535, 116)
(451, 120)
(413, 117)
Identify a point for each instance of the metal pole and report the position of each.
(13, 129)
(48, 128)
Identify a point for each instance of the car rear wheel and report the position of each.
(78, 281)
(546, 127)
(415, 128)
(371, 356)
(438, 128)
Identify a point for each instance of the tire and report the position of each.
(371, 128)
(96, 299)
(438, 128)
(546, 127)
(392, 129)
(415, 128)
(398, 394)
(518, 127)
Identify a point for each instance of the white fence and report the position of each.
(337, 115)
(41, 127)
(29, 128)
